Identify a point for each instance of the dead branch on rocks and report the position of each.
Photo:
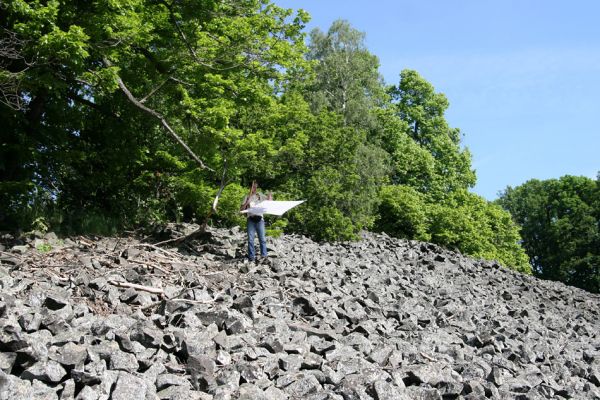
(138, 287)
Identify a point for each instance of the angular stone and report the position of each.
(7, 360)
(234, 325)
(302, 387)
(68, 392)
(45, 371)
(496, 376)
(86, 378)
(122, 361)
(273, 393)
(146, 336)
(431, 374)
(273, 344)
(420, 393)
(13, 388)
(165, 380)
(30, 322)
(311, 361)
(381, 355)
(70, 355)
(202, 371)
(242, 302)
(229, 378)
(475, 388)
(200, 343)
(124, 342)
(40, 390)
(129, 387)
(223, 358)
(89, 393)
(290, 362)
(55, 301)
(213, 317)
(153, 372)
(12, 339)
(386, 391)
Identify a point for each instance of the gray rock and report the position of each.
(202, 371)
(7, 360)
(386, 391)
(89, 393)
(129, 387)
(304, 386)
(12, 339)
(165, 380)
(68, 391)
(290, 362)
(147, 336)
(13, 388)
(70, 355)
(20, 249)
(45, 371)
(120, 360)
(55, 301)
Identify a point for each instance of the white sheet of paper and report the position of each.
(273, 207)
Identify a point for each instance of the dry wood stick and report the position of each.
(148, 289)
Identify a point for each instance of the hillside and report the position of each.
(381, 318)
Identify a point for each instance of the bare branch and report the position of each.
(143, 99)
(160, 85)
(148, 289)
(158, 116)
(12, 67)
(221, 187)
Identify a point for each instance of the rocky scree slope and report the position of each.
(381, 318)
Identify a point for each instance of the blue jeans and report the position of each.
(253, 228)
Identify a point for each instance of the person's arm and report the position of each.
(245, 203)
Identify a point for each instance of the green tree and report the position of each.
(347, 79)
(126, 105)
(443, 165)
(431, 174)
(328, 164)
(560, 228)
(337, 169)
(464, 222)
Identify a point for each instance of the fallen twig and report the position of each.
(148, 289)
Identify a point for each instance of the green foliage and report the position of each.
(560, 220)
(403, 213)
(237, 84)
(347, 80)
(40, 225)
(478, 228)
(435, 152)
(83, 144)
(276, 228)
(465, 222)
(228, 213)
(43, 247)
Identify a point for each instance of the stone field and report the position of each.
(381, 318)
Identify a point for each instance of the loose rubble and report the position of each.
(380, 318)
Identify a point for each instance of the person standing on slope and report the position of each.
(255, 221)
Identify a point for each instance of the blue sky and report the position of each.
(522, 76)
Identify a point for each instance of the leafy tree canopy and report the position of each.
(127, 112)
(560, 220)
